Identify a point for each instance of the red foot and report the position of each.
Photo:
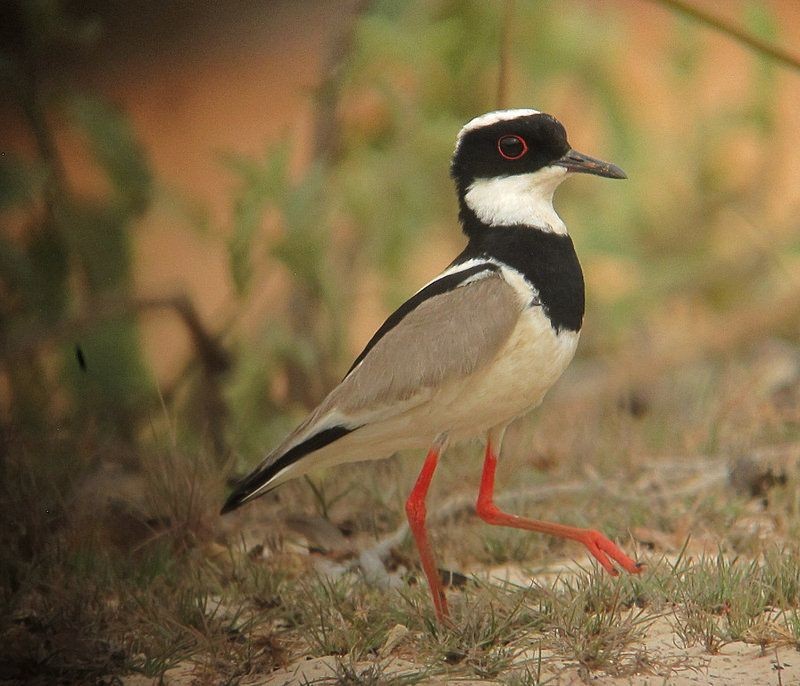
(601, 548)
(597, 544)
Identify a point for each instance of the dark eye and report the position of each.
(512, 147)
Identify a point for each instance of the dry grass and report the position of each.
(697, 477)
(677, 433)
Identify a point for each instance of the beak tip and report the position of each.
(575, 161)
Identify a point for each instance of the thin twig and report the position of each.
(214, 358)
(702, 477)
(505, 48)
(463, 504)
(737, 33)
(327, 135)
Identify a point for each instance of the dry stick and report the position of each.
(774, 52)
(32, 99)
(327, 133)
(326, 137)
(505, 48)
(308, 386)
(702, 478)
(213, 356)
(370, 559)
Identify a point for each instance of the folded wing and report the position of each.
(447, 331)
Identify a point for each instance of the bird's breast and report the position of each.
(515, 381)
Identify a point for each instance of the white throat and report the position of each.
(525, 199)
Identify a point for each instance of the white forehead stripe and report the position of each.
(492, 118)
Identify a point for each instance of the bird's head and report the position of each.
(507, 165)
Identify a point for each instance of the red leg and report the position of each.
(416, 511)
(597, 544)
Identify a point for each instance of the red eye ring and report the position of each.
(513, 150)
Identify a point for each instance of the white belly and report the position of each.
(532, 360)
(514, 382)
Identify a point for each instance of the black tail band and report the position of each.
(251, 483)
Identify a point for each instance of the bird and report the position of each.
(476, 347)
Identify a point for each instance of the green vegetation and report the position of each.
(112, 558)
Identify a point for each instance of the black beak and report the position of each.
(575, 161)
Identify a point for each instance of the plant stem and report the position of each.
(717, 23)
(505, 48)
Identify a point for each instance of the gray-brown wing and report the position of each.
(445, 337)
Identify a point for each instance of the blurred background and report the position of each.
(206, 209)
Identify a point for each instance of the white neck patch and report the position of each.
(525, 199)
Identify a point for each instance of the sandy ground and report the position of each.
(735, 663)
(664, 661)
(237, 101)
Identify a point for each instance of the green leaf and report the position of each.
(19, 183)
(263, 182)
(98, 235)
(115, 382)
(303, 247)
(761, 20)
(116, 150)
(15, 267)
(47, 253)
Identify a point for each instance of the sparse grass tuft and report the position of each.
(113, 559)
(593, 624)
(484, 636)
(341, 616)
(373, 674)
